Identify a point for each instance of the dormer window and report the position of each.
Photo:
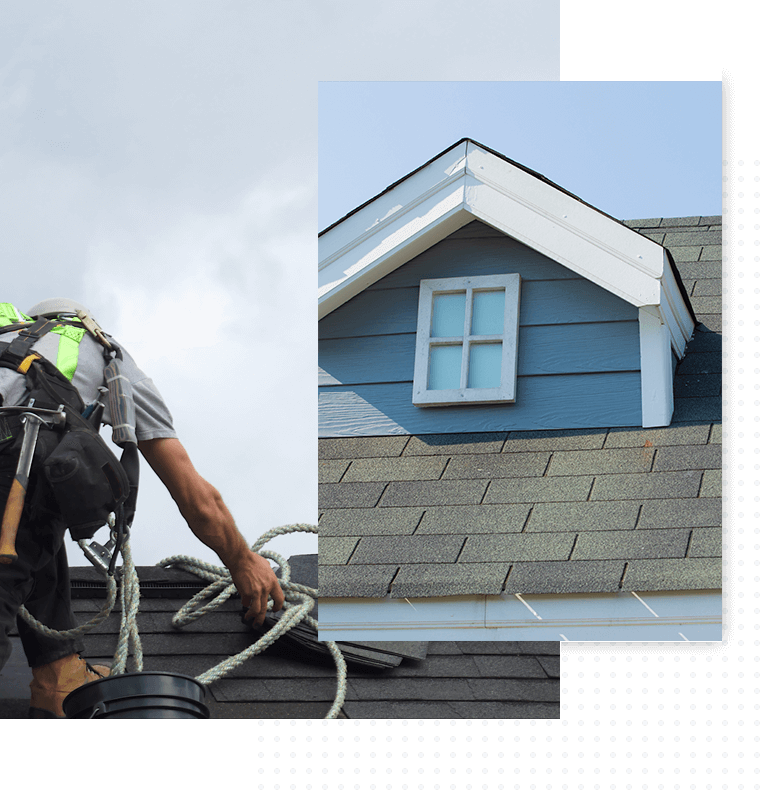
(466, 348)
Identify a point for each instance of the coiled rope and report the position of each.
(299, 601)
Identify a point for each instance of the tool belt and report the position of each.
(86, 478)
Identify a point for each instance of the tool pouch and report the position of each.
(87, 480)
(85, 477)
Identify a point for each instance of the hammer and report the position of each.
(15, 504)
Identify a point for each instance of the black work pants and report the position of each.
(38, 580)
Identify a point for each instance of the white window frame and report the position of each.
(505, 392)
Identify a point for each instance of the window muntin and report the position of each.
(467, 340)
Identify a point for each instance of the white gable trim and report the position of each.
(468, 182)
(676, 616)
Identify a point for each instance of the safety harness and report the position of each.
(60, 442)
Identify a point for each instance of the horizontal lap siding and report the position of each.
(578, 355)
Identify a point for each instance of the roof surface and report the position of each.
(543, 511)
(451, 679)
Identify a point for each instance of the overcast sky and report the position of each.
(632, 149)
(159, 163)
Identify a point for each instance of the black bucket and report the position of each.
(138, 695)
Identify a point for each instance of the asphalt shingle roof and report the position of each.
(429, 680)
(573, 511)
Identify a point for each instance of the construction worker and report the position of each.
(38, 579)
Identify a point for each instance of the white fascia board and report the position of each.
(563, 228)
(469, 182)
(398, 225)
(693, 615)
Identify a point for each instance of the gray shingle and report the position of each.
(708, 287)
(682, 574)
(706, 304)
(697, 271)
(572, 516)
(706, 456)
(706, 542)
(472, 519)
(522, 547)
(692, 238)
(421, 581)
(619, 545)
(655, 485)
(550, 665)
(543, 489)
(411, 688)
(670, 222)
(362, 447)
(685, 254)
(711, 484)
(345, 495)
(331, 471)
(370, 521)
(409, 549)
(653, 222)
(355, 581)
(335, 551)
(711, 253)
(704, 385)
(536, 441)
(435, 492)
(507, 666)
(592, 462)
(454, 444)
(702, 362)
(702, 512)
(713, 219)
(565, 577)
(513, 690)
(658, 437)
(707, 409)
(366, 470)
(490, 466)
(716, 434)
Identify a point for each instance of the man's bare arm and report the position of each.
(203, 509)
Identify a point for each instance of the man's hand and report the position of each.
(207, 516)
(255, 581)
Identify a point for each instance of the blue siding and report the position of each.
(578, 357)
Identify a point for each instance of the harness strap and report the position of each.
(69, 337)
(20, 349)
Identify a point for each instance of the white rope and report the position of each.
(299, 601)
(74, 633)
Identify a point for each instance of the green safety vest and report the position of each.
(68, 343)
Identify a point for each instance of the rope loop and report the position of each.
(299, 601)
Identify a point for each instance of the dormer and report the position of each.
(475, 294)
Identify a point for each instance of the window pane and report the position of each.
(488, 312)
(485, 365)
(445, 367)
(448, 315)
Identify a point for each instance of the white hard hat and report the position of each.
(49, 308)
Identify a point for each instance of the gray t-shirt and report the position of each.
(154, 421)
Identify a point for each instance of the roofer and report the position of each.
(70, 347)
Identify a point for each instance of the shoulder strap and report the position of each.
(18, 355)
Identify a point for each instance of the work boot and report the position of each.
(53, 682)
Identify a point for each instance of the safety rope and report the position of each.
(299, 601)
